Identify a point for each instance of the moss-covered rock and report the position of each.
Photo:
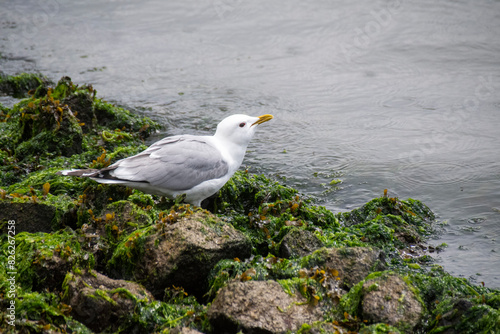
(298, 243)
(326, 274)
(455, 305)
(29, 217)
(100, 302)
(352, 263)
(116, 306)
(19, 86)
(48, 125)
(179, 253)
(387, 298)
(266, 210)
(467, 316)
(43, 259)
(259, 307)
(411, 211)
(40, 313)
(45, 127)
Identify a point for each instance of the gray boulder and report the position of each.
(100, 302)
(29, 217)
(298, 243)
(260, 307)
(389, 299)
(183, 254)
(353, 263)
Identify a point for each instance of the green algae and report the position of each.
(266, 211)
(244, 191)
(161, 317)
(256, 268)
(246, 194)
(36, 257)
(412, 211)
(128, 217)
(38, 254)
(177, 310)
(436, 284)
(128, 252)
(51, 124)
(379, 329)
(320, 257)
(40, 312)
(18, 86)
(44, 126)
(351, 302)
(290, 273)
(445, 297)
(464, 316)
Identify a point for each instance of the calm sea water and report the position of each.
(403, 95)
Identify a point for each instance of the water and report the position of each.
(379, 94)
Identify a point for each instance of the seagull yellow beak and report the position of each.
(263, 118)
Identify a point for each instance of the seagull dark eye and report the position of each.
(242, 125)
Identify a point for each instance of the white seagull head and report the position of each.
(239, 129)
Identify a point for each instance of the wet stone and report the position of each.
(82, 106)
(389, 299)
(259, 307)
(352, 263)
(29, 217)
(298, 243)
(100, 302)
(183, 254)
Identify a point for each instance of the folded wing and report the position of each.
(175, 163)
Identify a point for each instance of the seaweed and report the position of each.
(19, 86)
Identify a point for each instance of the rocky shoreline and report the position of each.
(81, 257)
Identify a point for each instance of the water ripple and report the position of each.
(413, 175)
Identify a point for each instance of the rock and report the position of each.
(183, 253)
(99, 302)
(298, 243)
(29, 217)
(452, 319)
(19, 86)
(121, 217)
(259, 307)
(82, 105)
(352, 263)
(389, 299)
(100, 234)
(413, 212)
(47, 258)
(47, 127)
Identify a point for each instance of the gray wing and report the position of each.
(175, 163)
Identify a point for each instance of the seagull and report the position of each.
(194, 166)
